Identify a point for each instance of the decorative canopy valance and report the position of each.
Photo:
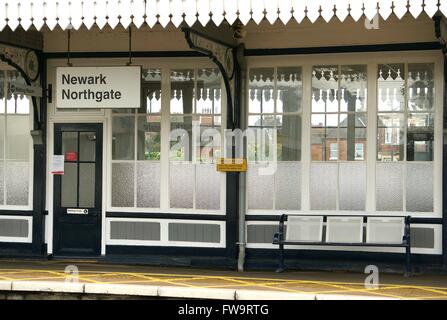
(75, 13)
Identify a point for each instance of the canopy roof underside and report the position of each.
(75, 13)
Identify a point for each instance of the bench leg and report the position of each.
(407, 261)
(281, 267)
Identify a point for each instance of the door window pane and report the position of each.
(87, 185)
(69, 143)
(123, 137)
(69, 187)
(87, 146)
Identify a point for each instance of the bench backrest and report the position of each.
(345, 229)
(304, 228)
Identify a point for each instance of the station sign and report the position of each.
(98, 87)
(232, 165)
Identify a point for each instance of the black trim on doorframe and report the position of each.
(344, 49)
(39, 170)
(160, 215)
(444, 171)
(275, 218)
(124, 54)
(140, 251)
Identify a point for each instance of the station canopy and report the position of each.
(75, 13)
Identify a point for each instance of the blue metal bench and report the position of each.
(281, 240)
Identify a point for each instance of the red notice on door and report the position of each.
(71, 156)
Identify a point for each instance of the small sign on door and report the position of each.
(57, 165)
(77, 211)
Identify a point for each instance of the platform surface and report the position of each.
(94, 277)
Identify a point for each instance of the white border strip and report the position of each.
(27, 239)
(164, 234)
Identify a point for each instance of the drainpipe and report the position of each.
(240, 110)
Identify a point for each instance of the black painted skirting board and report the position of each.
(171, 261)
(313, 260)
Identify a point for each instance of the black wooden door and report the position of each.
(78, 192)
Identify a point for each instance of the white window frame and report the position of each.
(166, 66)
(372, 60)
(30, 160)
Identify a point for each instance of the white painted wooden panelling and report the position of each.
(75, 13)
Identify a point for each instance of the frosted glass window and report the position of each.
(275, 106)
(196, 99)
(136, 177)
(352, 188)
(18, 137)
(323, 186)
(389, 186)
(123, 184)
(2, 182)
(15, 142)
(87, 185)
(17, 183)
(181, 184)
(2, 130)
(148, 184)
(344, 229)
(288, 186)
(419, 187)
(207, 187)
(260, 187)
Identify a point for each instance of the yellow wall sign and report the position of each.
(232, 165)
